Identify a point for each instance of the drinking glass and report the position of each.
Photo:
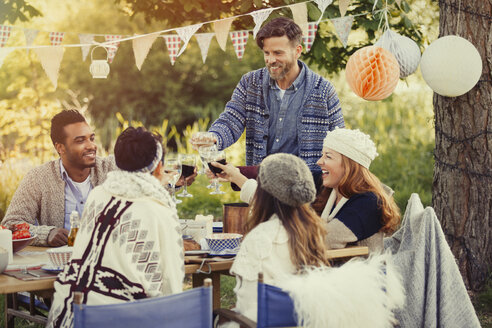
(172, 167)
(200, 139)
(204, 152)
(188, 163)
(220, 157)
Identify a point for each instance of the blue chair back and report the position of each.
(275, 307)
(191, 309)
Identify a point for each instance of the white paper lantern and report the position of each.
(406, 51)
(99, 67)
(451, 66)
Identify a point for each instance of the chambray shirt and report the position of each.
(74, 199)
(284, 112)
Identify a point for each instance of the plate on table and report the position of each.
(52, 268)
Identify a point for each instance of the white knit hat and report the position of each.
(354, 144)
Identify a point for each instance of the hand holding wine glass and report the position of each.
(172, 171)
(218, 156)
(188, 164)
(201, 139)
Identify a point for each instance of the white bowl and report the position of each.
(60, 256)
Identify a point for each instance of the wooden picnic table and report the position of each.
(199, 268)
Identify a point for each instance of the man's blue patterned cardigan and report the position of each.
(320, 113)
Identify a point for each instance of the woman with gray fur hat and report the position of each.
(284, 234)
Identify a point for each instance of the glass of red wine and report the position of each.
(188, 163)
(205, 152)
(220, 157)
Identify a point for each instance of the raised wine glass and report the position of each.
(172, 168)
(188, 163)
(220, 157)
(202, 139)
(205, 152)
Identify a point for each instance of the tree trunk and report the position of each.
(462, 187)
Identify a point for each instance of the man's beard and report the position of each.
(285, 69)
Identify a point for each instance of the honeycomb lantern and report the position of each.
(372, 73)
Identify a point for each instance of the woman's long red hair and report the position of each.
(356, 180)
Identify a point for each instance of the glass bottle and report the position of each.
(74, 227)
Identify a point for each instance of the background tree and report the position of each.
(462, 187)
(13, 10)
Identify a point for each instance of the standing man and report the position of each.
(50, 192)
(285, 107)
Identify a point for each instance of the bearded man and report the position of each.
(284, 107)
(49, 193)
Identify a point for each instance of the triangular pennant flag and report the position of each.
(4, 34)
(398, 2)
(185, 33)
(308, 39)
(173, 42)
(116, 44)
(203, 40)
(343, 5)
(86, 39)
(322, 4)
(239, 40)
(4, 52)
(50, 58)
(299, 15)
(259, 17)
(221, 29)
(56, 38)
(141, 47)
(30, 35)
(343, 25)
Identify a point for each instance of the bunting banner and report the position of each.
(343, 5)
(299, 15)
(4, 34)
(322, 4)
(173, 43)
(56, 38)
(398, 2)
(112, 50)
(204, 40)
(259, 17)
(221, 29)
(239, 40)
(141, 48)
(343, 25)
(85, 38)
(4, 52)
(185, 33)
(308, 39)
(30, 35)
(50, 58)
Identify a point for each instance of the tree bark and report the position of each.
(462, 186)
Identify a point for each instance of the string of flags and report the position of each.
(176, 43)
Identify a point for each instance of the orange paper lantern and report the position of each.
(372, 73)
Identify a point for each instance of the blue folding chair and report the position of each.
(275, 309)
(191, 309)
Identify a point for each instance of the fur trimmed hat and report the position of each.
(287, 178)
(354, 144)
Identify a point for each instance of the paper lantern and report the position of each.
(372, 73)
(99, 67)
(405, 50)
(451, 66)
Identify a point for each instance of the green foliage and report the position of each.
(13, 10)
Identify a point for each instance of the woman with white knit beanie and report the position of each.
(356, 206)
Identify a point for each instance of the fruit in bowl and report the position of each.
(19, 244)
(224, 243)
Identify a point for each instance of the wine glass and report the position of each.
(204, 152)
(172, 168)
(220, 157)
(188, 163)
(200, 139)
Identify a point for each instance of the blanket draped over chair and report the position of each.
(435, 293)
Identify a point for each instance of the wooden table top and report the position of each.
(10, 284)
